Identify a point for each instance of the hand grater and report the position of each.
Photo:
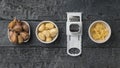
(74, 33)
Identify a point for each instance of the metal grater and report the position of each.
(74, 33)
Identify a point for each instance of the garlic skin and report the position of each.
(20, 39)
(25, 27)
(14, 38)
(10, 33)
(17, 28)
(24, 35)
(12, 24)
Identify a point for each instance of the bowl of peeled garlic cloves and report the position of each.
(47, 32)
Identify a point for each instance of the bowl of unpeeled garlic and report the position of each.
(18, 31)
(47, 32)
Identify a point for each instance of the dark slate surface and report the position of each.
(32, 57)
(37, 55)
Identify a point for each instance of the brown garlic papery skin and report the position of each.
(11, 25)
(20, 39)
(25, 27)
(17, 27)
(24, 35)
(14, 38)
(10, 33)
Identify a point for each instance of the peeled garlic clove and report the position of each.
(25, 27)
(48, 39)
(53, 35)
(53, 32)
(49, 25)
(41, 27)
(14, 38)
(24, 35)
(20, 39)
(41, 36)
(46, 33)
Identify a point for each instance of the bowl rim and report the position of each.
(29, 31)
(108, 27)
(36, 32)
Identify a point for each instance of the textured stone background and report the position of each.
(37, 55)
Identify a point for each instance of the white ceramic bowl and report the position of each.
(106, 38)
(29, 31)
(37, 32)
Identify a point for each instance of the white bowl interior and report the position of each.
(37, 32)
(108, 27)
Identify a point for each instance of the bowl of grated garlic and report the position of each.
(99, 31)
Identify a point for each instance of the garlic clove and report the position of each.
(46, 33)
(24, 35)
(49, 25)
(20, 39)
(53, 32)
(41, 27)
(13, 38)
(48, 39)
(41, 36)
(25, 27)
